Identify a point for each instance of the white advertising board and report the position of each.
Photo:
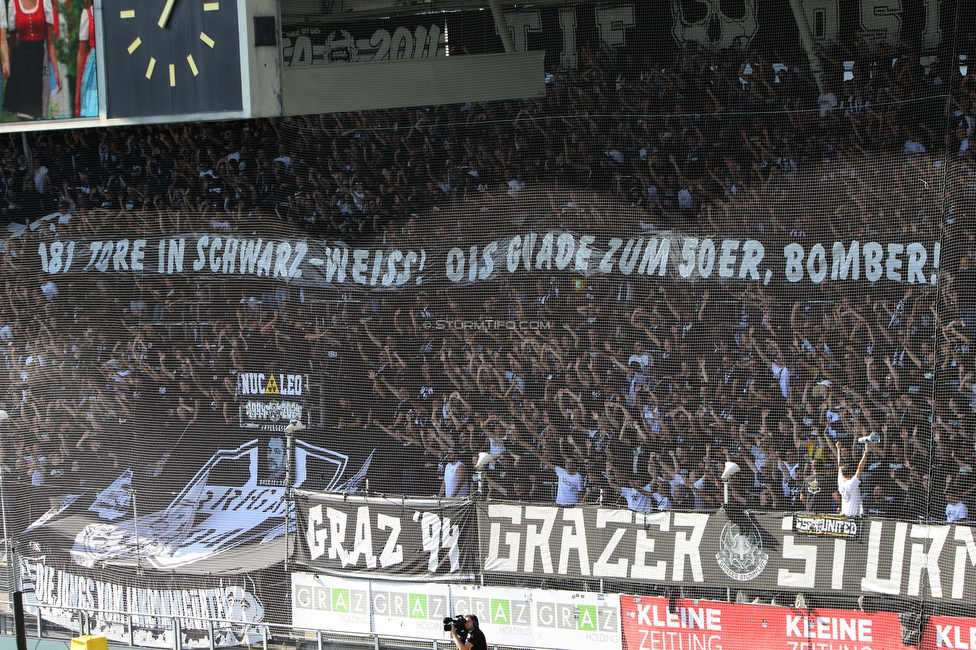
(539, 618)
(504, 615)
(413, 611)
(328, 603)
(565, 619)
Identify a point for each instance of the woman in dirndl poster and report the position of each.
(32, 22)
(86, 98)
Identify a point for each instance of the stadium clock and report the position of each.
(171, 57)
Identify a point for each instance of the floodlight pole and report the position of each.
(3, 511)
(8, 558)
(135, 530)
(288, 495)
(28, 153)
(501, 26)
(806, 39)
(293, 426)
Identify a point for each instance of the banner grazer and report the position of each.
(757, 551)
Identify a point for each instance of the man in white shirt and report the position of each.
(456, 484)
(639, 499)
(955, 509)
(640, 356)
(782, 373)
(850, 488)
(570, 483)
(777, 365)
(827, 102)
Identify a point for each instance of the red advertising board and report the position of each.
(949, 632)
(709, 625)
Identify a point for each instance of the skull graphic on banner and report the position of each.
(714, 24)
(341, 47)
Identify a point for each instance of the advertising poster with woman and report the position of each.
(47, 52)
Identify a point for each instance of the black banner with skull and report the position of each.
(629, 29)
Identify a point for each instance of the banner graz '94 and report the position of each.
(405, 539)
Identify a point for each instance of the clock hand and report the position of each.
(167, 10)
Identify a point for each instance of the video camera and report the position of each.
(456, 622)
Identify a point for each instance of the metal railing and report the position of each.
(196, 632)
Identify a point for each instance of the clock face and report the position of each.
(174, 57)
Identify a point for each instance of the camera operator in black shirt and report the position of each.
(471, 637)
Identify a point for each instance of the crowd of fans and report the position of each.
(637, 392)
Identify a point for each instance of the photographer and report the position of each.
(472, 638)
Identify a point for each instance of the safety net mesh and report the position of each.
(706, 305)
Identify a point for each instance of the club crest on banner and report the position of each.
(741, 556)
(206, 521)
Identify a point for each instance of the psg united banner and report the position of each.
(405, 539)
(757, 551)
